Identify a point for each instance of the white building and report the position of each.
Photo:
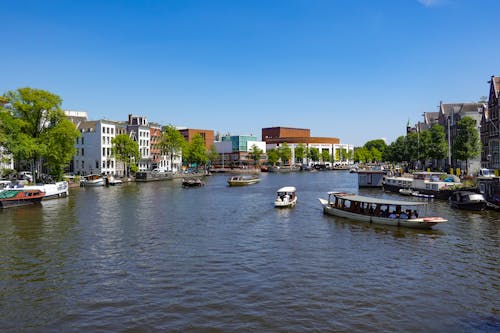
(139, 131)
(93, 149)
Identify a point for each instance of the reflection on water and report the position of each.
(157, 257)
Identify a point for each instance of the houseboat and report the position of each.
(242, 180)
(489, 187)
(397, 183)
(370, 178)
(438, 184)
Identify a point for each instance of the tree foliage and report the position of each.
(300, 152)
(34, 128)
(196, 153)
(285, 153)
(467, 143)
(314, 154)
(273, 156)
(126, 150)
(171, 143)
(255, 153)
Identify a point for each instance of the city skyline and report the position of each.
(356, 71)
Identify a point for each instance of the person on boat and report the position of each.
(415, 213)
(403, 215)
(393, 215)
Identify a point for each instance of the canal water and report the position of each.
(154, 257)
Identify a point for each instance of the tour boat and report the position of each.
(242, 180)
(20, 197)
(379, 211)
(286, 197)
(468, 200)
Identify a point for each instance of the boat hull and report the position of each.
(285, 204)
(415, 223)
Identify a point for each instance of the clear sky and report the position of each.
(356, 70)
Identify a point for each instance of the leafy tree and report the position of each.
(126, 150)
(378, 144)
(325, 156)
(285, 153)
(437, 147)
(59, 147)
(171, 143)
(273, 156)
(300, 152)
(376, 155)
(255, 153)
(467, 144)
(362, 154)
(212, 154)
(196, 152)
(38, 129)
(314, 154)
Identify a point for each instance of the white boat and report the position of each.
(112, 181)
(51, 191)
(242, 180)
(379, 211)
(92, 180)
(286, 197)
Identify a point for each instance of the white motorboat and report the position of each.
(92, 180)
(379, 211)
(286, 197)
(51, 191)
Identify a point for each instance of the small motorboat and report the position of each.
(92, 180)
(405, 191)
(192, 182)
(468, 200)
(286, 197)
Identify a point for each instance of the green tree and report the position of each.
(212, 154)
(285, 153)
(38, 130)
(376, 155)
(126, 150)
(171, 143)
(378, 144)
(196, 153)
(325, 156)
(59, 147)
(255, 153)
(300, 153)
(273, 156)
(467, 144)
(437, 147)
(314, 154)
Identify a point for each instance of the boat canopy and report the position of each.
(287, 189)
(376, 201)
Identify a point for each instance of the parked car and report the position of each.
(25, 175)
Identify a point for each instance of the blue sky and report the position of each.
(356, 70)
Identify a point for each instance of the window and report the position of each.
(104, 130)
(83, 141)
(83, 152)
(97, 164)
(103, 151)
(76, 140)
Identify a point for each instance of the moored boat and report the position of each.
(242, 180)
(20, 197)
(379, 211)
(468, 200)
(54, 190)
(286, 197)
(92, 180)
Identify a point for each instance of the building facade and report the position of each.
(207, 135)
(490, 124)
(295, 137)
